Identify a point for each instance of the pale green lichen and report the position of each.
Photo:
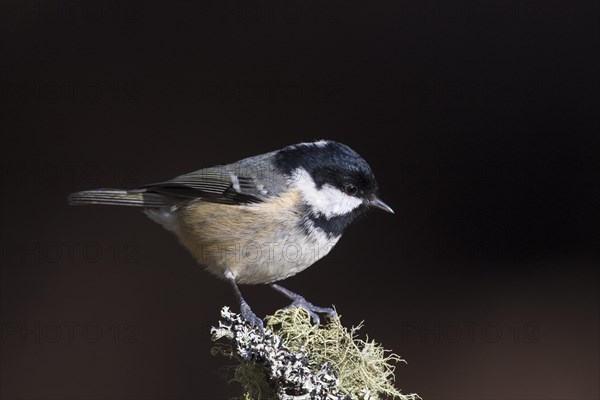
(294, 359)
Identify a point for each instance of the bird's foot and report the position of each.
(299, 301)
(312, 309)
(250, 317)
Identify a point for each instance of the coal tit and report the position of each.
(261, 219)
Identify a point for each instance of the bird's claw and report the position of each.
(313, 310)
(250, 317)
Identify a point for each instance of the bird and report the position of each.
(261, 219)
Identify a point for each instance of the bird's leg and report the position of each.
(299, 301)
(245, 309)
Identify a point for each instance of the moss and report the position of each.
(362, 365)
(275, 365)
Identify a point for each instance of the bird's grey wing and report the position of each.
(238, 183)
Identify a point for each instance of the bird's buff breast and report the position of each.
(258, 243)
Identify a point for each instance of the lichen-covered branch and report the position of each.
(295, 360)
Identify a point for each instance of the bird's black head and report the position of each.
(330, 163)
(335, 181)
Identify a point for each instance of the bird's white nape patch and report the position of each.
(318, 143)
(328, 200)
(321, 143)
(235, 182)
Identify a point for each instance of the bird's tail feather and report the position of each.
(119, 197)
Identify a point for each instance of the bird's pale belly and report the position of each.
(257, 243)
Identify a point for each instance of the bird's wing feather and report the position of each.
(222, 184)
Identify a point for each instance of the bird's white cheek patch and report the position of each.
(328, 200)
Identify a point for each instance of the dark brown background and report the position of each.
(479, 119)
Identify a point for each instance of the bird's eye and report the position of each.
(350, 190)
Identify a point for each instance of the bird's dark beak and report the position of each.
(377, 202)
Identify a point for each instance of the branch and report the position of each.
(295, 360)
